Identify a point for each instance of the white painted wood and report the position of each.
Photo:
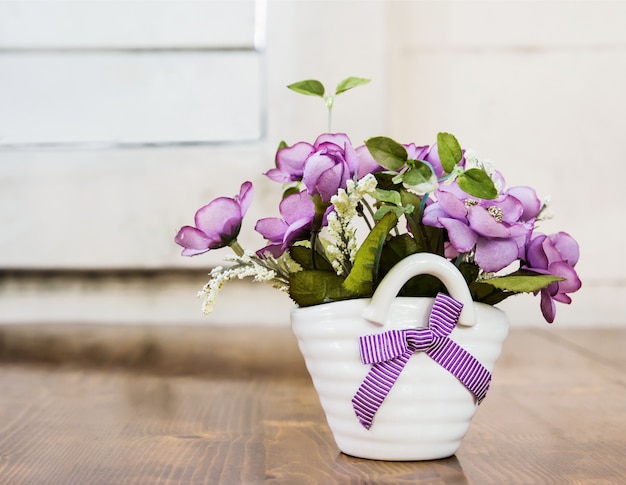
(541, 95)
(77, 208)
(108, 209)
(516, 26)
(542, 98)
(171, 300)
(115, 24)
(130, 98)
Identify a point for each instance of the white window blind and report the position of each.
(129, 72)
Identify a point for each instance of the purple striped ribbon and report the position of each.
(390, 351)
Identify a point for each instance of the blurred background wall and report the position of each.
(120, 119)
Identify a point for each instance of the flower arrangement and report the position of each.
(349, 214)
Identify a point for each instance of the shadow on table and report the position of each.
(447, 470)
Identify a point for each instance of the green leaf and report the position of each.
(396, 249)
(520, 283)
(364, 271)
(313, 287)
(409, 198)
(413, 200)
(310, 87)
(418, 173)
(385, 181)
(302, 256)
(291, 188)
(397, 179)
(390, 196)
(422, 285)
(484, 293)
(495, 290)
(426, 237)
(470, 272)
(476, 182)
(402, 246)
(387, 152)
(398, 211)
(449, 149)
(349, 83)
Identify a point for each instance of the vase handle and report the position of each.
(417, 264)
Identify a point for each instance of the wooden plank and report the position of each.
(89, 24)
(554, 409)
(118, 98)
(554, 415)
(238, 353)
(605, 348)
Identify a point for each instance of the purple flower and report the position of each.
(556, 254)
(297, 211)
(290, 163)
(495, 229)
(530, 202)
(330, 166)
(367, 164)
(217, 224)
(323, 167)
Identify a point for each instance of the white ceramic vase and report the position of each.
(428, 410)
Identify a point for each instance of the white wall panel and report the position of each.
(113, 97)
(519, 25)
(537, 87)
(52, 24)
(120, 208)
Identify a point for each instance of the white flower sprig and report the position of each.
(270, 270)
(340, 223)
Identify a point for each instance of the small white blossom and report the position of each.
(247, 265)
(366, 185)
(471, 159)
(344, 204)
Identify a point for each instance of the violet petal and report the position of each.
(485, 224)
(495, 254)
(271, 228)
(461, 236)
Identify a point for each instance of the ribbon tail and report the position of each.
(463, 365)
(375, 387)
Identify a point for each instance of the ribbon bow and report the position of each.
(390, 351)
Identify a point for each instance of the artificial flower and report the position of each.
(217, 224)
(557, 255)
(297, 212)
(407, 198)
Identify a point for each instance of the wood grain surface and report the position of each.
(235, 406)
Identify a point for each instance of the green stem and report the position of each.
(316, 226)
(371, 213)
(236, 247)
(329, 104)
(330, 116)
(313, 244)
(423, 206)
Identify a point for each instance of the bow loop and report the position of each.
(444, 315)
(382, 347)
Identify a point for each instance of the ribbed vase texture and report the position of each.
(427, 412)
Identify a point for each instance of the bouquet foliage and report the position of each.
(349, 213)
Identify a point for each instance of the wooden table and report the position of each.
(137, 405)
